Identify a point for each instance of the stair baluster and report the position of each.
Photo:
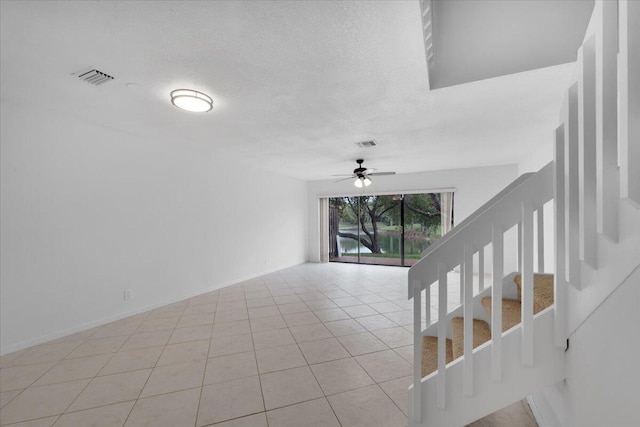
(417, 349)
(527, 283)
(442, 334)
(467, 279)
(497, 242)
(560, 289)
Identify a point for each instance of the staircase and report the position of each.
(511, 317)
(507, 339)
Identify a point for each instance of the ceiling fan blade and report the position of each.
(343, 179)
(381, 173)
(345, 174)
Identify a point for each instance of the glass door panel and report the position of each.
(383, 229)
(422, 224)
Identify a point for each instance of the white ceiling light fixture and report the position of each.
(362, 181)
(191, 100)
(362, 175)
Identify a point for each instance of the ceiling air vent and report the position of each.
(366, 144)
(94, 76)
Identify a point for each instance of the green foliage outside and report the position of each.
(376, 215)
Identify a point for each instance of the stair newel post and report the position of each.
(442, 334)
(467, 263)
(527, 283)
(481, 269)
(497, 272)
(417, 351)
(560, 288)
(540, 226)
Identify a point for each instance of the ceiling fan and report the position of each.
(362, 174)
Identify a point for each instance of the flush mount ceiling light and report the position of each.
(191, 100)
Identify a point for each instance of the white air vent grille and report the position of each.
(94, 77)
(366, 144)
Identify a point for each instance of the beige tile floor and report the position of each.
(313, 345)
(317, 345)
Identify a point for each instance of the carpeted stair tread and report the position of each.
(511, 312)
(481, 334)
(542, 290)
(430, 354)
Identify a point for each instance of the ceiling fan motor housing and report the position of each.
(359, 171)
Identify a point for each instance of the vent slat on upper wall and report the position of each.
(95, 77)
(366, 144)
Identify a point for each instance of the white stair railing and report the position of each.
(596, 163)
(514, 207)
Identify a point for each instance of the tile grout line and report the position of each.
(204, 373)
(255, 356)
(316, 379)
(154, 366)
(83, 389)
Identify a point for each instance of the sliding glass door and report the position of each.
(383, 229)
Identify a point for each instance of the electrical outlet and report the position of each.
(126, 294)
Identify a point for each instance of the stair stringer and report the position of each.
(518, 381)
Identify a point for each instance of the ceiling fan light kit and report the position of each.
(362, 181)
(191, 100)
(362, 175)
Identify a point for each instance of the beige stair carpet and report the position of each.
(430, 354)
(511, 316)
(481, 334)
(511, 312)
(542, 291)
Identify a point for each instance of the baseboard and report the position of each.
(93, 324)
(548, 406)
(537, 413)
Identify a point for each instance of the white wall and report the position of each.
(87, 212)
(473, 187)
(603, 315)
(539, 157)
(602, 362)
(601, 388)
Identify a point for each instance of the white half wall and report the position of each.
(472, 186)
(88, 212)
(602, 361)
(601, 388)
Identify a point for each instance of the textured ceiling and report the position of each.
(295, 84)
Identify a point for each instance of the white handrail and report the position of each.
(495, 199)
(537, 188)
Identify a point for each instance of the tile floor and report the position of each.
(312, 345)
